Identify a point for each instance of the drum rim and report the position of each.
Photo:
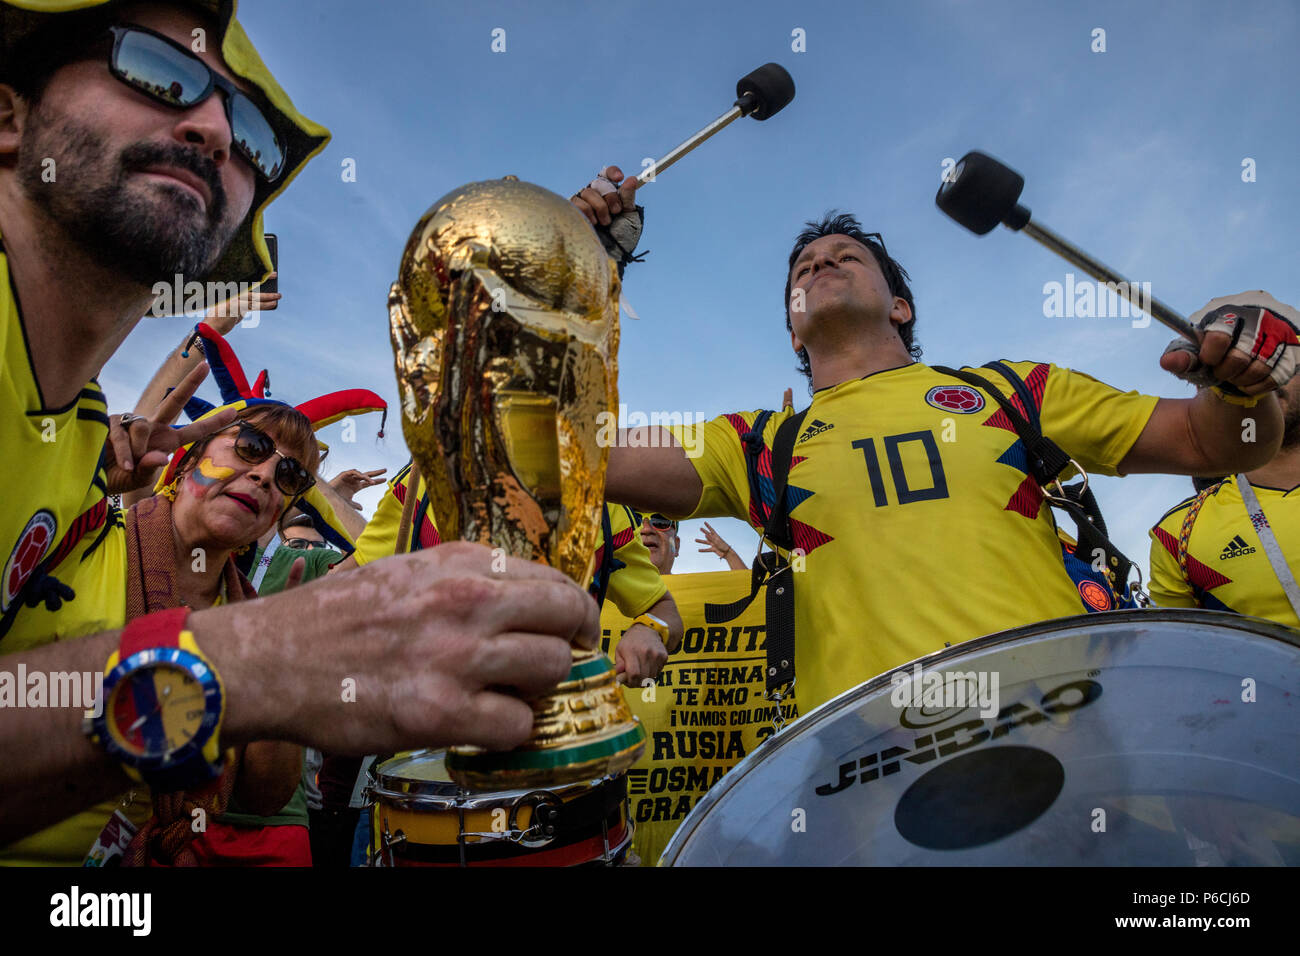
(1240, 622)
(455, 797)
(384, 781)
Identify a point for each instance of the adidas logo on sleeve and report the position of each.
(1236, 548)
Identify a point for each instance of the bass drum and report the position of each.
(1130, 738)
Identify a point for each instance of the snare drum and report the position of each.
(421, 818)
(1148, 738)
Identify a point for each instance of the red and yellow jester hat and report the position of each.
(236, 393)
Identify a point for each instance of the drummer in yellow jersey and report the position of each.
(634, 584)
(1207, 552)
(908, 492)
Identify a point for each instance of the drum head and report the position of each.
(417, 773)
(1150, 738)
(421, 777)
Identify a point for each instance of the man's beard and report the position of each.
(1290, 423)
(144, 242)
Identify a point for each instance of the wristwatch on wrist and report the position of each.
(162, 705)
(656, 625)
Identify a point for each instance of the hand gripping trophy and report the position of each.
(504, 320)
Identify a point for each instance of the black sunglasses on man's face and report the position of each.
(657, 521)
(162, 69)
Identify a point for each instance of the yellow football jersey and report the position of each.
(99, 580)
(51, 483)
(97, 572)
(379, 538)
(917, 520)
(1227, 569)
(635, 588)
(635, 584)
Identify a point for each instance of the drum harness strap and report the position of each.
(608, 563)
(1046, 462)
(770, 566)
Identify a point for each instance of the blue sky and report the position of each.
(1135, 154)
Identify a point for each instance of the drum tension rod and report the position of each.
(391, 840)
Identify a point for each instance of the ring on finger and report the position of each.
(128, 418)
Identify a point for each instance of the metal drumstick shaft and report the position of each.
(677, 152)
(1104, 273)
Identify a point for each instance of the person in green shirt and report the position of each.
(296, 555)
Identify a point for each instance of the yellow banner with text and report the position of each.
(705, 713)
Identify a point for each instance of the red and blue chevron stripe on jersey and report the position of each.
(1027, 499)
(41, 586)
(428, 536)
(621, 539)
(1201, 577)
(86, 522)
(805, 536)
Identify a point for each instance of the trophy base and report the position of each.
(582, 731)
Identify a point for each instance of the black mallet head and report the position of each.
(764, 92)
(981, 192)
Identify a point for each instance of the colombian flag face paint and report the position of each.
(208, 473)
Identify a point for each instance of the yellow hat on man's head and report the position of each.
(246, 258)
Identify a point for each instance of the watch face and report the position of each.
(162, 707)
(156, 711)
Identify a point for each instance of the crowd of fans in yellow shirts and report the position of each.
(216, 546)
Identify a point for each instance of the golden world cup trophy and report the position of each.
(505, 331)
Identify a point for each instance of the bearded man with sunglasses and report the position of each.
(130, 152)
(910, 540)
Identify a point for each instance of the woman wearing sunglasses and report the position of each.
(178, 549)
